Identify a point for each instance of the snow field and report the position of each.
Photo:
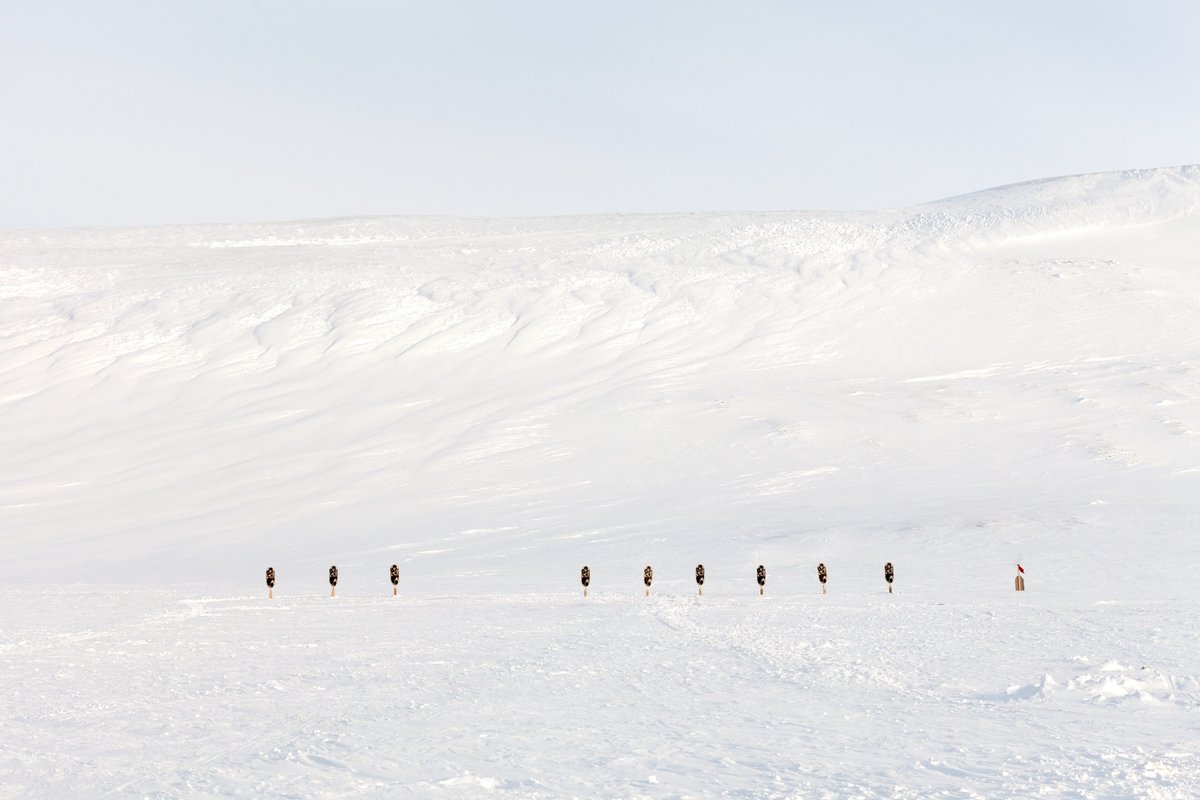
(140, 694)
(1009, 376)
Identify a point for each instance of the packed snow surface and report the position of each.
(1010, 376)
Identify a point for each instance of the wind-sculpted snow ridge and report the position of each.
(1080, 204)
(490, 404)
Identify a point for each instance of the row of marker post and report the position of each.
(585, 577)
(333, 581)
(760, 574)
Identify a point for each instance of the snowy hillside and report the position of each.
(1015, 368)
(1012, 375)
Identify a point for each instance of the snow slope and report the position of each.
(1009, 375)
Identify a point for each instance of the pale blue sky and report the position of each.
(148, 112)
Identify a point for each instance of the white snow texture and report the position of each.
(1010, 376)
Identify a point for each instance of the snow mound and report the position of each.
(1111, 684)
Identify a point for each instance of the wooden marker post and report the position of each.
(889, 575)
(1020, 580)
(823, 577)
(395, 578)
(333, 581)
(762, 578)
(585, 577)
(270, 583)
(700, 578)
(648, 578)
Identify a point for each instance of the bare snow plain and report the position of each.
(1010, 376)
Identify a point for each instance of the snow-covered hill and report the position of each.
(491, 403)
(1007, 374)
